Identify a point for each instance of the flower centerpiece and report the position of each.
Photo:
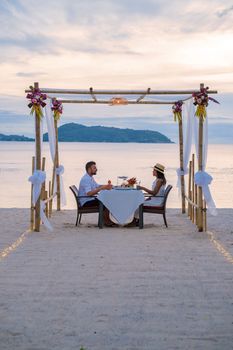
(131, 182)
(37, 99)
(177, 110)
(57, 108)
(201, 100)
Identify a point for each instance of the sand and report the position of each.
(116, 288)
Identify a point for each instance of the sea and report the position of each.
(113, 160)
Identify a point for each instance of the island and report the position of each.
(14, 138)
(73, 132)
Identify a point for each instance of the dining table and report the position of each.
(122, 202)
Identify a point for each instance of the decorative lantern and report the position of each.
(116, 101)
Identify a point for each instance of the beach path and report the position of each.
(115, 288)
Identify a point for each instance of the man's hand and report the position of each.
(106, 187)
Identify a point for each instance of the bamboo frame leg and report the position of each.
(193, 185)
(204, 216)
(189, 189)
(43, 185)
(46, 205)
(57, 165)
(32, 204)
(38, 164)
(51, 201)
(200, 162)
(182, 165)
(195, 201)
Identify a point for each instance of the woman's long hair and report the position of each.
(161, 176)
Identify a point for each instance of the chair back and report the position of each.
(166, 193)
(75, 193)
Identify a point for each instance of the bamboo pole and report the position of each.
(46, 204)
(128, 102)
(51, 201)
(181, 143)
(57, 165)
(120, 92)
(200, 162)
(43, 185)
(193, 185)
(195, 201)
(204, 216)
(38, 163)
(189, 190)
(53, 180)
(32, 204)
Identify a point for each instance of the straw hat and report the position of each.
(159, 167)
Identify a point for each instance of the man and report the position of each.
(89, 187)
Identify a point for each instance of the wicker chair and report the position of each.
(159, 209)
(86, 210)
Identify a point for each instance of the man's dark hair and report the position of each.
(89, 164)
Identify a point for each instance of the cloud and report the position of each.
(125, 44)
(225, 12)
(30, 74)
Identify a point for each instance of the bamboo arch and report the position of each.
(197, 205)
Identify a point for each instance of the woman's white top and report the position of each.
(156, 201)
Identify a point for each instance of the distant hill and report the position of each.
(73, 132)
(14, 138)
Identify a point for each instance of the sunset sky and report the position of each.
(125, 44)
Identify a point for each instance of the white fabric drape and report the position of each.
(50, 128)
(187, 122)
(202, 178)
(205, 138)
(37, 179)
(52, 146)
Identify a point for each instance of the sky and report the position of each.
(124, 44)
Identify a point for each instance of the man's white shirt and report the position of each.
(87, 184)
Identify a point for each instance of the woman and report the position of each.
(158, 186)
(157, 192)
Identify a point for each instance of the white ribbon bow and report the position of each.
(203, 179)
(60, 171)
(37, 179)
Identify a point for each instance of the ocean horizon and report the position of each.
(113, 160)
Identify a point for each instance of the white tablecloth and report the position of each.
(121, 203)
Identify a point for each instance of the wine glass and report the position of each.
(122, 177)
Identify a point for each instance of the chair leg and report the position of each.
(164, 218)
(80, 216)
(101, 212)
(76, 224)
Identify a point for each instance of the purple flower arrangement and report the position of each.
(37, 99)
(177, 110)
(201, 100)
(57, 108)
